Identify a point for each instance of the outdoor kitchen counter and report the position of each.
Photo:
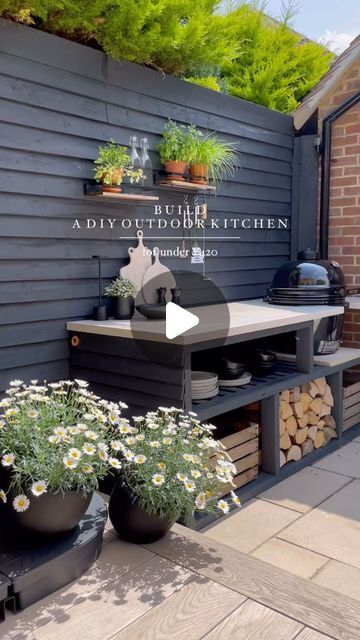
(244, 317)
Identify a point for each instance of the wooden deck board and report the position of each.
(252, 621)
(323, 609)
(187, 615)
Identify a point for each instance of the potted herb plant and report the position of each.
(122, 291)
(173, 150)
(112, 165)
(171, 466)
(54, 449)
(210, 158)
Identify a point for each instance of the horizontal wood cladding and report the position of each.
(58, 102)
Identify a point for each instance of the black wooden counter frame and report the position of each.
(118, 370)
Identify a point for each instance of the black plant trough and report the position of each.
(28, 574)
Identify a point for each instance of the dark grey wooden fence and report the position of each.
(58, 102)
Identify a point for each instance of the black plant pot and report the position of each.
(131, 522)
(123, 308)
(48, 515)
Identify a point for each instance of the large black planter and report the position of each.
(131, 522)
(48, 515)
(123, 308)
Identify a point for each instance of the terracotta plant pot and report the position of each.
(123, 308)
(116, 177)
(175, 170)
(198, 173)
(48, 515)
(131, 522)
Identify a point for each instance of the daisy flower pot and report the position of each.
(131, 521)
(54, 450)
(171, 467)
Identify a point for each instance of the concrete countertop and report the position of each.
(216, 321)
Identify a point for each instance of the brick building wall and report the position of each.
(344, 212)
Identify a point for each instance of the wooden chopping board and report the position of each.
(138, 264)
(164, 278)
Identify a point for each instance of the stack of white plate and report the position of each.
(236, 382)
(204, 385)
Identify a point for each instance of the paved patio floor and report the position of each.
(191, 586)
(308, 524)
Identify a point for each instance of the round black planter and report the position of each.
(48, 515)
(123, 308)
(131, 522)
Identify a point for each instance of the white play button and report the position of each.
(178, 320)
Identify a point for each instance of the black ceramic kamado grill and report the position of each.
(311, 281)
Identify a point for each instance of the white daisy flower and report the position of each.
(192, 414)
(3, 497)
(21, 503)
(235, 499)
(69, 463)
(4, 403)
(189, 485)
(158, 479)
(125, 428)
(122, 405)
(92, 435)
(89, 449)
(128, 455)
(138, 418)
(103, 454)
(82, 426)
(114, 462)
(16, 383)
(140, 458)
(87, 468)
(161, 466)
(130, 440)
(167, 440)
(153, 425)
(82, 383)
(187, 457)
(74, 430)
(181, 476)
(60, 432)
(89, 416)
(8, 459)
(200, 501)
(53, 439)
(155, 444)
(195, 473)
(140, 437)
(74, 453)
(32, 413)
(38, 488)
(11, 412)
(116, 445)
(223, 506)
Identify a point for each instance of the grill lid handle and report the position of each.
(309, 254)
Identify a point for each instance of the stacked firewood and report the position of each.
(306, 422)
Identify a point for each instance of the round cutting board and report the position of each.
(164, 278)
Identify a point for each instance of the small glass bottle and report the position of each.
(145, 161)
(135, 158)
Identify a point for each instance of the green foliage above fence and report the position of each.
(253, 57)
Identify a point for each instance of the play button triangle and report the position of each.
(178, 320)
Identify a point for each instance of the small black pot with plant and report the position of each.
(122, 293)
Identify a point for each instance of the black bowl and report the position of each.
(229, 365)
(152, 311)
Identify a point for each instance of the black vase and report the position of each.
(132, 522)
(48, 515)
(123, 308)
